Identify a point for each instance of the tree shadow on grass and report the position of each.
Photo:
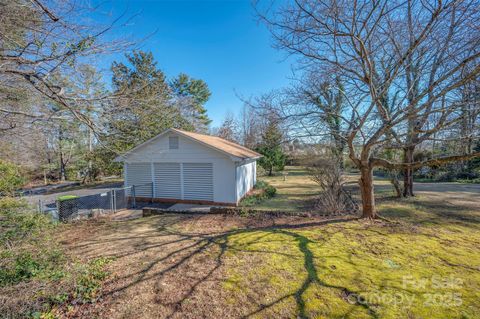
(215, 247)
(312, 278)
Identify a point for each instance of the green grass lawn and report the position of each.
(425, 263)
(359, 270)
(295, 191)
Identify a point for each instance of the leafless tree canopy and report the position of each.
(402, 64)
(41, 42)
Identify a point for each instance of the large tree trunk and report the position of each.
(396, 184)
(408, 173)
(366, 189)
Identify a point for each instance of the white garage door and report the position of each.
(198, 181)
(140, 176)
(167, 180)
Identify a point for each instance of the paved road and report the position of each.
(451, 194)
(446, 187)
(47, 198)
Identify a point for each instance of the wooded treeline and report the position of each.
(64, 118)
(142, 103)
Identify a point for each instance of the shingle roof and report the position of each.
(221, 144)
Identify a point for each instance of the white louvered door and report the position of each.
(140, 176)
(167, 180)
(198, 181)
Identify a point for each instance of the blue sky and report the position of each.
(217, 41)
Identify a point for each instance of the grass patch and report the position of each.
(295, 191)
(420, 265)
(358, 269)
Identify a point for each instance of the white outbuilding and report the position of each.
(188, 167)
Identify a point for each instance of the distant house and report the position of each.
(188, 167)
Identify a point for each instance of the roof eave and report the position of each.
(123, 157)
(240, 159)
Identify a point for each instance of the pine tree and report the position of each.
(143, 109)
(270, 147)
(192, 94)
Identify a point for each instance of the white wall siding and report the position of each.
(245, 178)
(167, 180)
(157, 152)
(198, 181)
(140, 175)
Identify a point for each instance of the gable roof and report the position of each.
(214, 142)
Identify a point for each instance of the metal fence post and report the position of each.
(112, 201)
(40, 210)
(133, 196)
(57, 203)
(151, 198)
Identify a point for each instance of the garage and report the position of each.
(181, 166)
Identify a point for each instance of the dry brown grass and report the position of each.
(168, 266)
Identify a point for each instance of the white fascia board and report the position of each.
(122, 158)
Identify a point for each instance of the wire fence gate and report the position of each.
(76, 207)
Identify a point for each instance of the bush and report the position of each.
(327, 173)
(24, 237)
(34, 266)
(10, 178)
(261, 191)
(18, 224)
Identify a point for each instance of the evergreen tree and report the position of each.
(270, 147)
(143, 109)
(192, 94)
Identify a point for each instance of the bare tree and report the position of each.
(315, 108)
(39, 40)
(228, 129)
(402, 62)
(251, 126)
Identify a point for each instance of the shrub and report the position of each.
(32, 263)
(261, 191)
(18, 223)
(10, 178)
(327, 173)
(25, 244)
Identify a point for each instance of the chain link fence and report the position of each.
(73, 207)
